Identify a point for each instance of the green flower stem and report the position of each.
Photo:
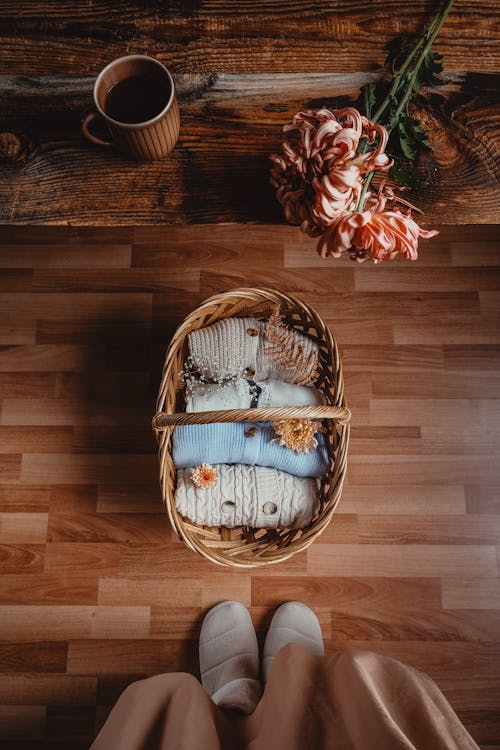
(397, 80)
(418, 64)
(426, 42)
(366, 185)
(404, 67)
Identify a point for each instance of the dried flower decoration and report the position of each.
(204, 476)
(288, 352)
(297, 434)
(199, 373)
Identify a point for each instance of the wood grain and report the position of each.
(207, 36)
(43, 657)
(23, 527)
(26, 689)
(24, 622)
(233, 106)
(95, 591)
(22, 722)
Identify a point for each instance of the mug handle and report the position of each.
(90, 117)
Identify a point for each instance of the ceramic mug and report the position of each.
(135, 96)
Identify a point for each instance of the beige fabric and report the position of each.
(351, 701)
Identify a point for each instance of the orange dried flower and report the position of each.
(297, 434)
(204, 476)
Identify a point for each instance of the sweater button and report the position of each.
(269, 508)
(251, 432)
(250, 371)
(252, 332)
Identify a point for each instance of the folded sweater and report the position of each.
(243, 394)
(236, 347)
(244, 443)
(248, 496)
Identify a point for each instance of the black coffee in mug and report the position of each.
(137, 98)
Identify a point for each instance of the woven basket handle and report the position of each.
(340, 413)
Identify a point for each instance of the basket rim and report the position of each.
(163, 419)
(187, 531)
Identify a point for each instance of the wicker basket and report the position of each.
(245, 547)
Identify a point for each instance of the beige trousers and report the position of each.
(353, 700)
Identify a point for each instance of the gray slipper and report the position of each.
(229, 657)
(293, 622)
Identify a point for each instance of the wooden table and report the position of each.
(242, 70)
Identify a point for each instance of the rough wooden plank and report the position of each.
(220, 168)
(215, 35)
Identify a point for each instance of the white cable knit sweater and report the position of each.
(237, 347)
(248, 496)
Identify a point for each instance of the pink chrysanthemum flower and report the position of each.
(374, 233)
(318, 174)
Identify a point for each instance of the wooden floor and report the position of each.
(95, 592)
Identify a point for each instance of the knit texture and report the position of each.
(248, 496)
(241, 394)
(234, 347)
(244, 443)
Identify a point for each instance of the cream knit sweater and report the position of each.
(236, 347)
(248, 496)
(242, 394)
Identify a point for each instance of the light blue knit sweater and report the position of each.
(227, 443)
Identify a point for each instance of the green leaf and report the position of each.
(402, 174)
(419, 135)
(367, 99)
(406, 140)
(428, 74)
(410, 137)
(393, 122)
(397, 50)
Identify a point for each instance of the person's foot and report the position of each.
(229, 657)
(293, 622)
